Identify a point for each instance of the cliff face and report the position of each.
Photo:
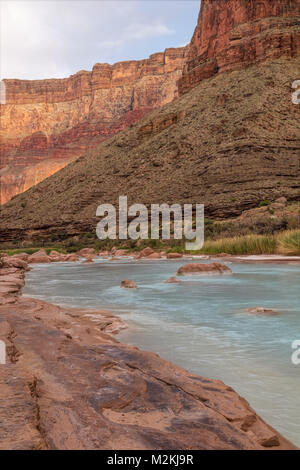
(232, 34)
(45, 124)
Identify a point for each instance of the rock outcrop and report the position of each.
(46, 124)
(232, 34)
(68, 384)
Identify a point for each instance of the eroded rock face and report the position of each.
(68, 384)
(198, 268)
(45, 124)
(231, 34)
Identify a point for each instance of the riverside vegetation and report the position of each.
(271, 228)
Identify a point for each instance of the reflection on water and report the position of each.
(199, 324)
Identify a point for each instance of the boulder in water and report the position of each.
(146, 252)
(172, 280)
(174, 255)
(128, 284)
(199, 268)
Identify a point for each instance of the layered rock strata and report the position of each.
(232, 34)
(46, 124)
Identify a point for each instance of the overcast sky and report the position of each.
(55, 38)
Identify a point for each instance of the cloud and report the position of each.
(138, 31)
(142, 31)
(55, 38)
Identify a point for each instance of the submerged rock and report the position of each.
(128, 284)
(262, 311)
(172, 280)
(198, 268)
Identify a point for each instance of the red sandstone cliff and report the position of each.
(45, 124)
(231, 34)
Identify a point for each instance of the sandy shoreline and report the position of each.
(69, 384)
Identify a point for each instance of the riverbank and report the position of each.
(75, 386)
(285, 243)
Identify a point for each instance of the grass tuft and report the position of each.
(289, 242)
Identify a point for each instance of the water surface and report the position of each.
(200, 324)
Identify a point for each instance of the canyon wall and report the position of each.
(230, 143)
(45, 124)
(232, 34)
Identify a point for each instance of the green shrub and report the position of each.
(264, 203)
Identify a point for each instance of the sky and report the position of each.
(56, 38)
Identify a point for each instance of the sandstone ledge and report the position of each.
(69, 384)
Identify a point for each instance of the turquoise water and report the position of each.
(199, 324)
